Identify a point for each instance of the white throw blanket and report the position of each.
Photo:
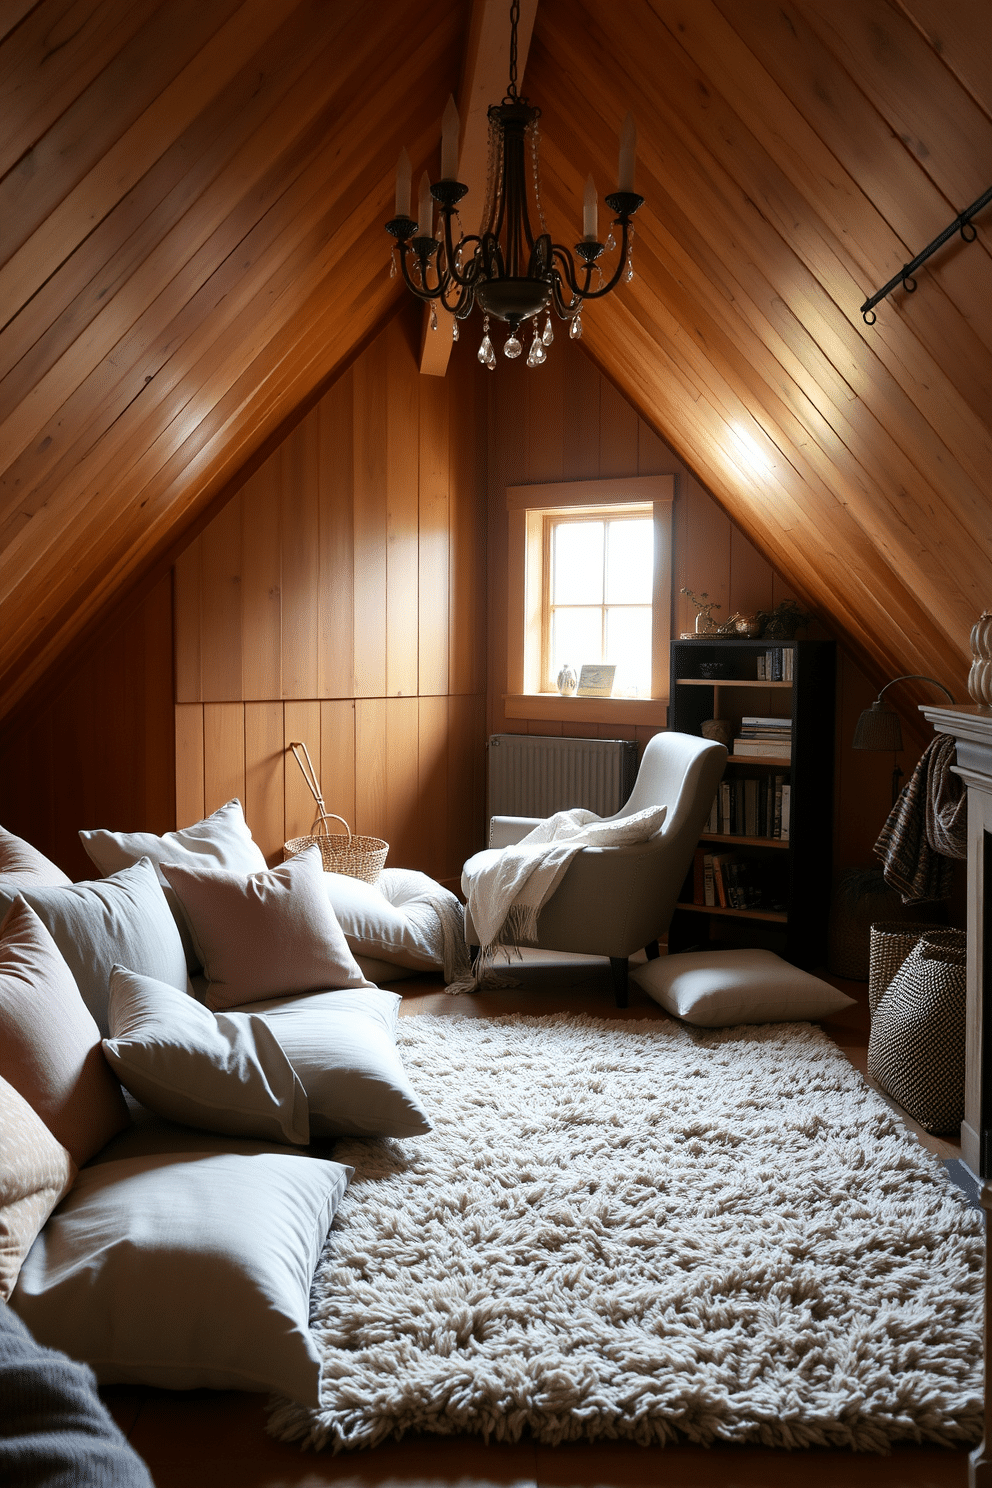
(506, 888)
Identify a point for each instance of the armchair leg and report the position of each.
(618, 966)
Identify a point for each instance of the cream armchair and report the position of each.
(614, 900)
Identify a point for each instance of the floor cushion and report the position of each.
(49, 1042)
(222, 1072)
(221, 839)
(264, 934)
(342, 1045)
(35, 1171)
(187, 1269)
(395, 925)
(717, 989)
(122, 920)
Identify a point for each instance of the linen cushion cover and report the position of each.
(343, 1047)
(221, 840)
(717, 989)
(223, 1072)
(187, 1270)
(49, 1043)
(35, 1171)
(122, 920)
(18, 859)
(389, 922)
(265, 934)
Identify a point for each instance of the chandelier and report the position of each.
(512, 274)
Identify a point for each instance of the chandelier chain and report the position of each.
(511, 91)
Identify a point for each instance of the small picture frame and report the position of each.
(596, 680)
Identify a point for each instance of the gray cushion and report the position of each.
(187, 1269)
(122, 920)
(222, 1072)
(342, 1044)
(717, 989)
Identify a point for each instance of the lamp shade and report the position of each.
(878, 728)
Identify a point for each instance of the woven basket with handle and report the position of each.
(359, 857)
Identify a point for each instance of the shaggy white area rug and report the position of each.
(639, 1230)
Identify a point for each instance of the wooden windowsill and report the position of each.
(550, 707)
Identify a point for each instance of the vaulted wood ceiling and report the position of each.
(191, 200)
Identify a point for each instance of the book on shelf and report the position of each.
(726, 808)
(759, 721)
(762, 749)
(775, 664)
(720, 881)
(713, 820)
(751, 807)
(784, 822)
(709, 888)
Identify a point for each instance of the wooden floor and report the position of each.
(214, 1439)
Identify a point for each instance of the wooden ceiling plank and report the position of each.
(960, 36)
(136, 150)
(195, 163)
(343, 170)
(485, 70)
(52, 57)
(109, 108)
(925, 449)
(946, 132)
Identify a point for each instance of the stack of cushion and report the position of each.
(182, 1248)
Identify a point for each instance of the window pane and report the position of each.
(576, 637)
(628, 646)
(577, 563)
(629, 561)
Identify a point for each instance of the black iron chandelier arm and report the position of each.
(423, 291)
(466, 276)
(583, 291)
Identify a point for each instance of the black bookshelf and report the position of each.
(792, 915)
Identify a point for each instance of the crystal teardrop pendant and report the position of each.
(454, 329)
(537, 353)
(547, 335)
(512, 348)
(486, 354)
(433, 318)
(575, 327)
(392, 264)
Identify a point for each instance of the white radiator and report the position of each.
(536, 774)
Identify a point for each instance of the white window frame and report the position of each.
(527, 507)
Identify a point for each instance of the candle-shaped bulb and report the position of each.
(404, 175)
(628, 149)
(449, 142)
(425, 209)
(590, 212)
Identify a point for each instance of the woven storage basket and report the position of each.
(358, 857)
(891, 943)
(916, 1048)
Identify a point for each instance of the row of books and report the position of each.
(763, 738)
(775, 664)
(759, 806)
(727, 880)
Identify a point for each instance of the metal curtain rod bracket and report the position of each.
(962, 224)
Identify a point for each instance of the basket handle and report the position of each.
(318, 828)
(310, 776)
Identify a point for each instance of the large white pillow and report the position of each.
(187, 1270)
(717, 989)
(221, 840)
(122, 920)
(391, 921)
(343, 1047)
(35, 1171)
(223, 1072)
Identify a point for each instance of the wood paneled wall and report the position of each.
(566, 421)
(339, 599)
(101, 753)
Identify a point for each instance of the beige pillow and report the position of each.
(222, 1072)
(717, 989)
(49, 1043)
(35, 1171)
(187, 1269)
(265, 934)
(220, 840)
(18, 859)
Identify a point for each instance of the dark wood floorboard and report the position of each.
(217, 1439)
